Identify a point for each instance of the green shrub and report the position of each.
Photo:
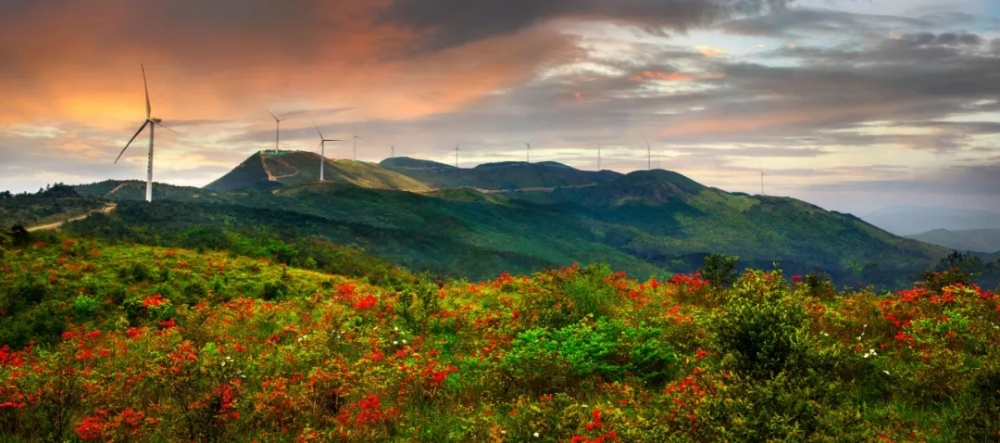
(84, 306)
(762, 327)
(274, 290)
(720, 270)
(818, 284)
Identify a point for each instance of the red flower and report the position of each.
(366, 302)
(700, 353)
(154, 301)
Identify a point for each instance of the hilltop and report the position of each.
(497, 176)
(269, 170)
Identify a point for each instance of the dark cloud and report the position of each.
(455, 22)
(798, 22)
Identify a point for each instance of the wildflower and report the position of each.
(536, 435)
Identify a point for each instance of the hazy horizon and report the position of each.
(850, 105)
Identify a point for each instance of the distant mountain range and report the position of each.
(513, 217)
(914, 220)
(976, 240)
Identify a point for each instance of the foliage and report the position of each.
(720, 270)
(124, 342)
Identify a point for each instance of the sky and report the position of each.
(853, 105)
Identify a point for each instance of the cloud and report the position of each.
(456, 22)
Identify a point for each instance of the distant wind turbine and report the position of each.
(392, 151)
(322, 149)
(277, 129)
(649, 156)
(151, 122)
(356, 138)
(528, 151)
(456, 155)
(598, 158)
(762, 175)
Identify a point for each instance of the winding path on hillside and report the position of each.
(496, 191)
(55, 225)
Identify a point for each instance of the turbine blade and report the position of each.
(164, 127)
(328, 140)
(149, 109)
(272, 115)
(131, 140)
(314, 125)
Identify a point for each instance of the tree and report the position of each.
(20, 235)
(6, 194)
(720, 270)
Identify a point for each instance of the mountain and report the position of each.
(269, 170)
(976, 240)
(645, 222)
(502, 176)
(913, 220)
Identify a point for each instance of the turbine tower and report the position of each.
(392, 151)
(277, 129)
(598, 158)
(322, 149)
(528, 151)
(151, 122)
(456, 155)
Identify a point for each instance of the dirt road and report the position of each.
(106, 209)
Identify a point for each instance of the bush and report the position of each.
(84, 306)
(274, 290)
(720, 270)
(588, 292)
(762, 328)
(818, 284)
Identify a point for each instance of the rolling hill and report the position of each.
(502, 176)
(267, 170)
(976, 240)
(645, 222)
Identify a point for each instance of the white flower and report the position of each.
(872, 351)
(395, 342)
(886, 372)
(375, 328)
(395, 328)
(536, 435)
(404, 342)
(223, 363)
(584, 406)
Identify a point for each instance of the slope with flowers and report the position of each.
(172, 345)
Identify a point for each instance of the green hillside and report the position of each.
(58, 203)
(268, 170)
(646, 222)
(497, 176)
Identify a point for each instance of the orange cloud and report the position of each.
(80, 63)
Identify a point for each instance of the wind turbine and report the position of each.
(528, 151)
(356, 138)
(392, 151)
(762, 175)
(277, 129)
(151, 122)
(322, 149)
(598, 158)
(456, 155)
(649, 156)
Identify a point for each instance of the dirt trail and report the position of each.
(116, 188)
(106, 209)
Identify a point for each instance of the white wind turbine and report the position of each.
(356, 138)
(762, 175)
(649, 156)
(277, 129)
(598, 158)
(392, 151)
(322, 149)
(456, 155)
(528, 151)
(151, 122)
